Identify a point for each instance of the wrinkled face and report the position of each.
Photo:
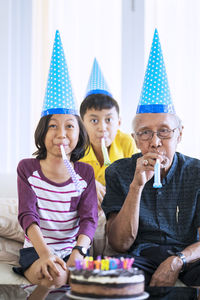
(101, 123)
(158, 122)
(62, 130)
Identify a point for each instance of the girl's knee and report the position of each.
(58, 280)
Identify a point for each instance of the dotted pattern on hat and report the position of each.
(97, 80)
(155, 89)
(59, 92)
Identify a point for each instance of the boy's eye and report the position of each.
(108, 120)
(94, 121)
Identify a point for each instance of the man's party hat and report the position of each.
(155, 96)
(59, 97)
(97, 83)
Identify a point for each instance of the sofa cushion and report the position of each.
(9, 251)
(9, 226)
(9, 277)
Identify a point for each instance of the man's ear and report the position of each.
(180, 134)
(135, 139)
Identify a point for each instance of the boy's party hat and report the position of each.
(97, 83)
(59, 97)
(155, 96)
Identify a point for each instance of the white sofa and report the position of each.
(11, 234)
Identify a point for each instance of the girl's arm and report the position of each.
(46, 258)
(84, 241)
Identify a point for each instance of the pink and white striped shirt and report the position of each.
(60, 212)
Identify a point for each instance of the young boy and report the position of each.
(100, 115)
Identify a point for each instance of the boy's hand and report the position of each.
(101, 190)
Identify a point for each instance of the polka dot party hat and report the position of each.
(59, 97)
(155, 96)
(97, 83)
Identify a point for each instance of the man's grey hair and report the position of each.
(179, 122)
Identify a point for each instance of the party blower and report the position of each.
(157, 183)
(71, 170)
(105, 153)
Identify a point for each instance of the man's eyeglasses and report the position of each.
(164, 133)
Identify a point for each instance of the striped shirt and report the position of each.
(57, 208)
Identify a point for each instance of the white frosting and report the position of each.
(110, 280)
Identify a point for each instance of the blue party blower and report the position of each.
(157, 183)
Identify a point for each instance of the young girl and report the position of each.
(54, 217)
(59, 222)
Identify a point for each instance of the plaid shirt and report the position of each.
(168, 216)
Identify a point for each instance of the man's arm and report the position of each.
(168, 271)
(122, 227)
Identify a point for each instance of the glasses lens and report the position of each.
(145, 135)
(165, 133)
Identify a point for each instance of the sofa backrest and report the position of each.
(8, 185)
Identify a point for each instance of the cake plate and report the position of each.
(145, 295)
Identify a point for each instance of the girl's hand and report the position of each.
(47, 263)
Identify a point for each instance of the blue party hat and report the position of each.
(59, 98)
(155, 96)
(97, 83)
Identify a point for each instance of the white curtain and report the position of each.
(119, 34)
(15, 61)
(178, 24)
(88, 29)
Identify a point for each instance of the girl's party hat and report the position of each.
(59, 97)
(97, 83)
(155, 96)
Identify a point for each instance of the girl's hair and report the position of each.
(40, 134)
(98, 102)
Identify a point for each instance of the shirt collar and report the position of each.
(171, 170)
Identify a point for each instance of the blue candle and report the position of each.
(157, 183)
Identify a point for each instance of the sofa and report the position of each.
(11, 233)
(12, 236)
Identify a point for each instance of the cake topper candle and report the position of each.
(105, 153)
(71, 170)
(157, 183)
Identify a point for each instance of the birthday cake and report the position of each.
(110, 283)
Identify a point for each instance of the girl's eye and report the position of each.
(52, 126)
(69, 126)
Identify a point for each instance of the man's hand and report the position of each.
(101, 190)
(167, 273)
(145, 167)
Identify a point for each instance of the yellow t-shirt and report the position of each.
(122, 146)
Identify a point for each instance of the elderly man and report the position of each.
(158, 226)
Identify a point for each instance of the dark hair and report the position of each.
(98, 102)
(40, 134)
